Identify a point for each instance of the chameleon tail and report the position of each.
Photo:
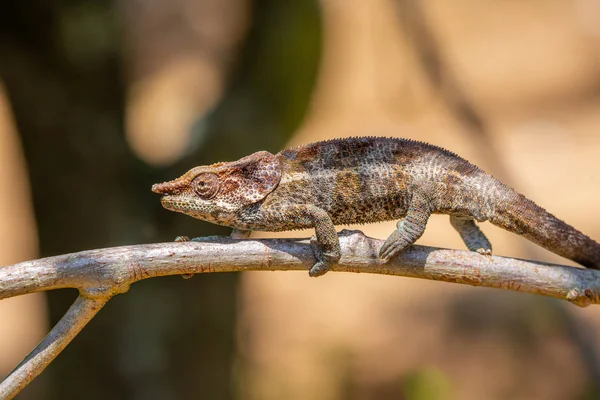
(522, 216)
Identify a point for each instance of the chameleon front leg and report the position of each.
(472, 235)
(408, 229)
(326, 245)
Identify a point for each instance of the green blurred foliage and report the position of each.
(427, 384)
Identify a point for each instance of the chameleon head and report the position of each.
(215, 193)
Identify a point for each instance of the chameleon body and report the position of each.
(364, 180)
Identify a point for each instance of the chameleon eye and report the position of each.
(206, 185)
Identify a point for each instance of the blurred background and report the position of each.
(101, 99)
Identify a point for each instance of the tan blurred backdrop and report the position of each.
(533, 70)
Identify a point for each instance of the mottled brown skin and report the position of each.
(363, 180)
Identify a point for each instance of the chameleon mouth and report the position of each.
(174, 203)
(167, 202)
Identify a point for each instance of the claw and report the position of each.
(383, 251)
(324, 260)
(385, 248)
(318, 269)
(393, 246)
(484, 252)
(390, 252)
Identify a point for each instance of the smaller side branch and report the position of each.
(78, 315)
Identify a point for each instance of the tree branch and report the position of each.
(101, 274)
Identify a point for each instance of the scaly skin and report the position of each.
(363, 180)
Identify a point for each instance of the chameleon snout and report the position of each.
(165, 188)
(158, 188)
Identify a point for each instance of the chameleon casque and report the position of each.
(364, 180)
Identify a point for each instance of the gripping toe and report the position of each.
(324, 259)
(394, 245)
(318, 269)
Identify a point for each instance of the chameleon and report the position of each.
(364, 180)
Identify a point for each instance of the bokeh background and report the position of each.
(100, 99)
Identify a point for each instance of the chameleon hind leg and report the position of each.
(408, 229)
(472, 235)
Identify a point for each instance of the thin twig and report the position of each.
(78, 315)
(101, 274)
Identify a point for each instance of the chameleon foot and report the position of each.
(325, 260)
(474, 238)
(409, 229)
(320, 268)
(395, 244)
